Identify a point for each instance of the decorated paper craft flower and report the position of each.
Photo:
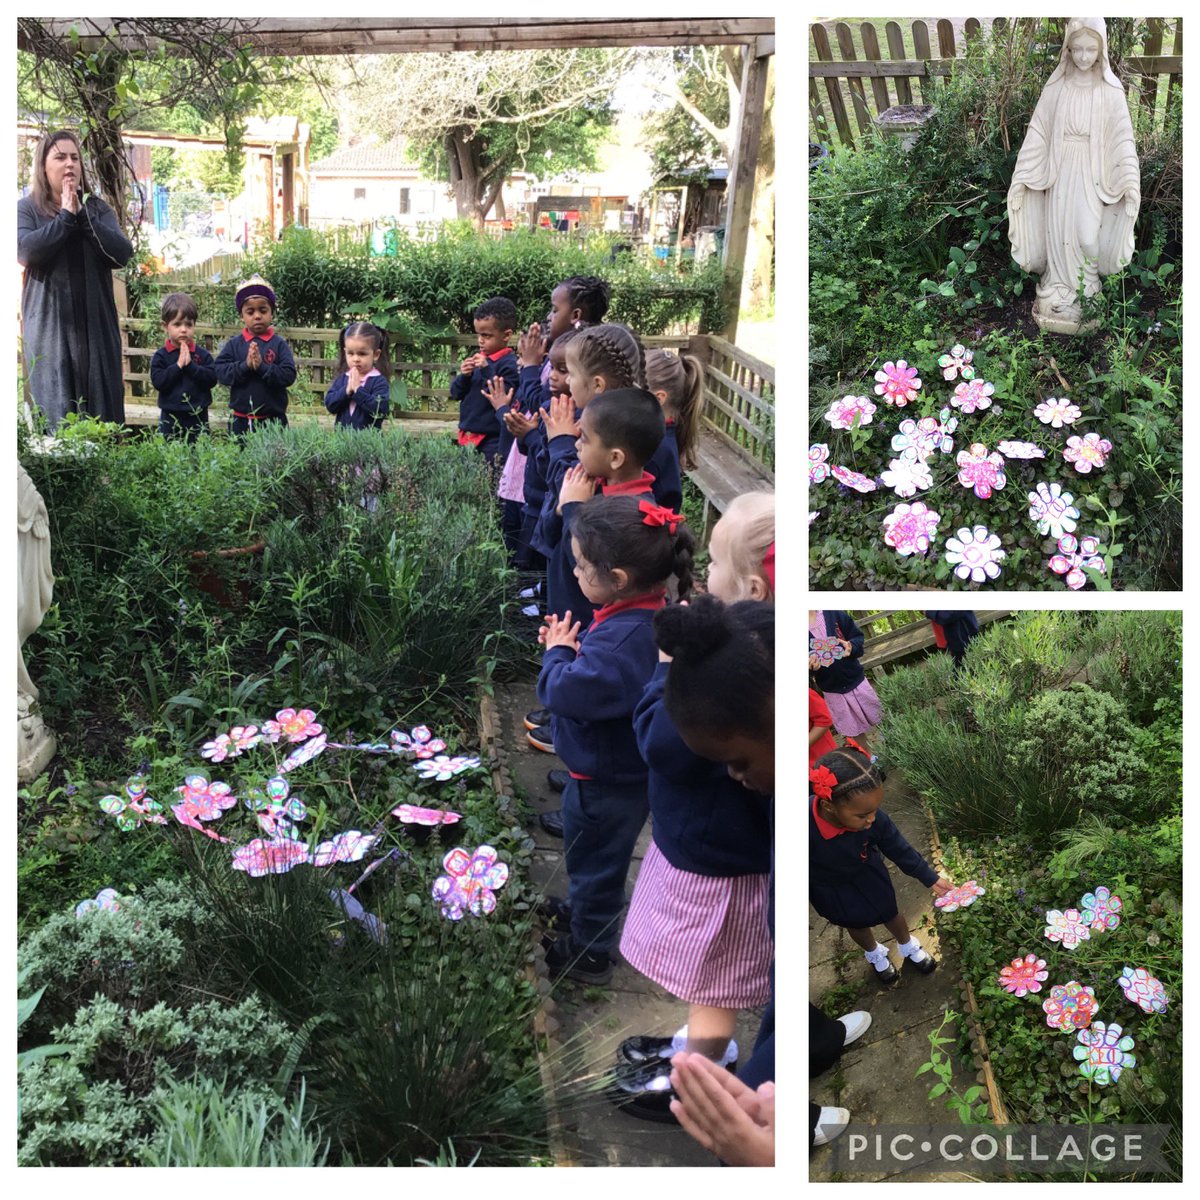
(443, 767)
(106, 901)
(185, 814)
(827, 650)
(957, 362)
(910, 528)
(1070, 1006)
(420, 742)
(962, 896)
(1068, 927)
(972, 395)
(1101, 909)
(346, 847)
(130, 810)
(1142, 989)
(291, 724)
(818, 469)
(1057, 413)
(305, 753)
(245, 737)
(470, 882)
(975, 554)
(1104, 1053)
(1087, 452)
(897, 383)
(1023, 450)
(274, 857)
(843, 413)
(1053, 509)
(905, 475)
(981, 471)
(219, 749)
(915, 437)
(942, 430)
(853, 479)
(412, 814)
(1024, 975)
(206, 800)
(1073, 556)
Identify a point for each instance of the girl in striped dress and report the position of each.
(697, 923)
(843, 683)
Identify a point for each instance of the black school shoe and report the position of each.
(643, 1049)
(885, 978)
(558, 780)
(537, 718)
(556, 909)
(926, 965)
(567, 959)
(552, 822)
(541, 739)
(645, 1091)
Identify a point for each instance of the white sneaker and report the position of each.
(531, 610)
(856, 1023)
(530, 593)
(830, 1123)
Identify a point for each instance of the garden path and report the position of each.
(593, 1021)
(876, 1077)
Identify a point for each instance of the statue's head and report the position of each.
(1085, 46)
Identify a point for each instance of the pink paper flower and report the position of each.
(910, 528)
(1073, 557)
(942, 430)
(1070, 1006)
(107, 900)
(1069, 928)
(412, 814)
(1022, 450)
(185, 814)
(1104, 1053)
(962, 896)
(346, 847)
(975, 554)
(444, 767)
(1101, 909)
(972, 395)
(826, 650)
(305, 753)
(1024, 975)
(854, 479)
(843, 413)
(262, 857)
(906, 474)
(134, 807)
(470, 882)
(818, 469)
(205, 800)
(1087, 452)
(957, 362)
(1057, 413)
(420, 742)
(295, 725)
(1142, 989)
(1053, 509)
(219, 749)
(980, 470)
(897, 383)
(915, 437)
(245, 737)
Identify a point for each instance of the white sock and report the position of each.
(912, 949)
(878, 958)
(679, 1041)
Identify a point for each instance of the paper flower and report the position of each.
(827, 650)
(897, 383)
(818, 469)
(975, 394)
(245, 737)
(1053, 509)
(470, 882)
(812, 516)
(853, 479)
(913, 439)
(1068, 927)
(1070, 1006)
(291, 724)
(185, 814)
(346, 847)
(905, 475)
(219, 749)
(420, 742)
(975, 554)
(1087, 452)
(1024, 975)
(941, 431)
(1073, 556)
(355, 912)
(106, 901)
(206, 800)
(910, 528)
(1056, 413)
(305, 753)
(130, 810)
(957, 362)
(412, 814)
(962, 896)
(443, 767)
(843, 413)
(1023, 450)
(1142, 989)
(1104, 1053)
(980, 470)
(274, 857)
(1101, 909)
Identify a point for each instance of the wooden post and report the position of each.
(741, 180)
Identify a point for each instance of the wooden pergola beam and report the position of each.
(341, 35)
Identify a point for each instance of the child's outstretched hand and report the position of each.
(942, 886)
(498, 396)
(560, 419)
(517, 423)
(558, 631)
(531, 346)
(577, 486)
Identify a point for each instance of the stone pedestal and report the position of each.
(35, 743)
(905, 122)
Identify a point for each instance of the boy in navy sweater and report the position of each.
(479, 404)
(182, 372)
(256, 365)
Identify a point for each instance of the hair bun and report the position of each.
(692, 631)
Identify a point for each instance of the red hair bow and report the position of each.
(851, 742)
(823, 782)
(658, 514)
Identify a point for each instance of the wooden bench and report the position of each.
(721, 474)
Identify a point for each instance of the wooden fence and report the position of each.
(227, 267)
(904, 78)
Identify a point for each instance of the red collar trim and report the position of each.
(500, 354)
(170, 345)
(652, 601)
(262, 337)
(670, 421)
(827, 831)
(631, 487)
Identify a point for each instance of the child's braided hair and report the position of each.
(853, 769)
(614, 352)
(590, 294)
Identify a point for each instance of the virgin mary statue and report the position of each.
(1076, 188)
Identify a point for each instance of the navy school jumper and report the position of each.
(258, 395)
(370, 401)
(664, 466)
(185, 391)
(845, 674)
(475, 412)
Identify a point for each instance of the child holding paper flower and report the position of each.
(852, 701)
(849, 835)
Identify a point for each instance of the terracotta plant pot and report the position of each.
(209, 579)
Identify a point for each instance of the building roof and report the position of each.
(367, 157)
